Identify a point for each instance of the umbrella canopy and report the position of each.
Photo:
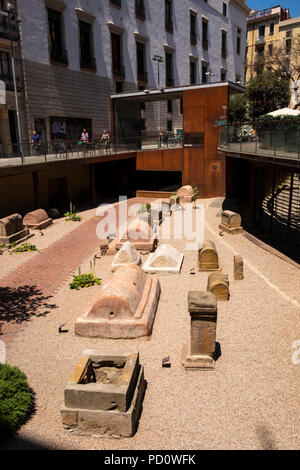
(284, 112)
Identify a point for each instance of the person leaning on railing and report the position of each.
(105, 139)
(36, 140)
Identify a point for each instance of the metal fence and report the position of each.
(267, 140)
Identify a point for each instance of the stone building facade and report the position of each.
(77, 52)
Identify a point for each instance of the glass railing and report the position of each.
(272, 140)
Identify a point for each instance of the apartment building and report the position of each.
(77, 52)
(262, 35)
(289, 33)
(10, 45)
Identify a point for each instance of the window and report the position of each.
(169, 125)
(270, 49)
(5, 69)
(119, 87)
(193, 72)
(223, 48)
(142, 124)
(140, 9)
(181, 106)
(271, 29)
(238, 44)
(288, 45)
(289, 34)
(118, 69)
(261, 31)
(170, 106)
(223, 75)
(204, 34)
(224, 9)
(141, 63)
(193, 28)
(168, 16)
(169, 69)
(204, 71)
(260, 50)
(87, 60)
(57, 52)
(142, 104)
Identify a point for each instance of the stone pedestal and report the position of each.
(208, 259)
(104, 395)
(12, 229)
(238, 271)
(218, 284)
(231, 222)
(200, 353)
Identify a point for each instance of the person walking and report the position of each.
(105, 139)
(36, 140)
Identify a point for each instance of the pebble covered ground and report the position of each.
(250, 400)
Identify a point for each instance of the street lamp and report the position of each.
(159, 60)
(10, 13)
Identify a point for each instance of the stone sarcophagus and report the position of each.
(208, 259)
(185, 193)
(37, 219)
(166, 259)
(231, 222)
(104, 395)
(124, 307)
(127, 255)
(200, 352)
(140, 233)
(218, 284)
(12, 229)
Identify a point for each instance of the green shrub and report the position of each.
(72, 216)
(144, 208)
(84, 280)
(16, 399)
(24, 247)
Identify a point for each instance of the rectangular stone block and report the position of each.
(238, 268)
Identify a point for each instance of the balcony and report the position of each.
(260, 40)
(193, 38)
(9, 84)
(170, 81)
(142, 76)
(60, 57)
(116, 3)
(88, 63)
(140, 11)
(169, 26)
(118, 70)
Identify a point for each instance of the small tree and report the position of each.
(267, 92)
(237, 110)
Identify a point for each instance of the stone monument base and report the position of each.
(15, 237)
(196, 362)
(231, 230)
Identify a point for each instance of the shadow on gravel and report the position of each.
(20, 304)
(266, 438)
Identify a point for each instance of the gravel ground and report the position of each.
(250, 400)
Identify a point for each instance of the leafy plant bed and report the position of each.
(84, 280)
(16, 399)
(24, 247)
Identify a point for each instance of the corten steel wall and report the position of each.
(160, 160)
(204, 166)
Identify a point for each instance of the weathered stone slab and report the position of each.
(124, 307)
(125, 256)
(107, 396)
(218, 284)
(140, 233)
(200, 352)
(208, 259)
(12, 229)
(37, 219)
(166, 259)
(231, 222)
(238, 272)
